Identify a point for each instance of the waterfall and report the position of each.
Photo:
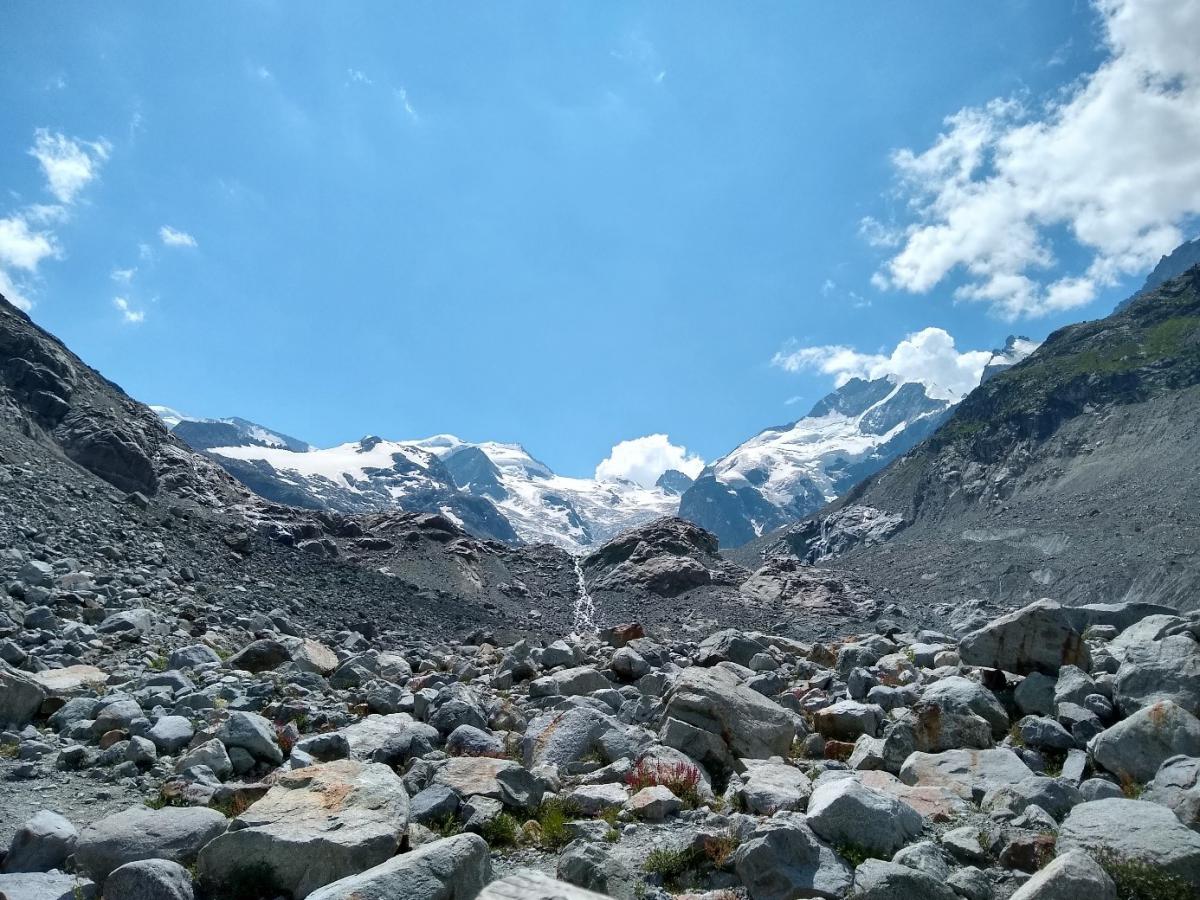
(585, 609)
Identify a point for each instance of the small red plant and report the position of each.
(680, 778)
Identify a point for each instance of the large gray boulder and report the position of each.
(1036, 638)
(1176, 785)
(505, 780)
(958, 694)
(42, 843)
(252, 733)
(1070, 876)
(1168, 669)
(1134, 830)
(21, 696)
(1056, 796)
(875, 879)
(454, 868)
(738, 721)
(174, 833)
(569, 683)
(149, 879)
(192, 656)
(314, 826)
(844, 811)
(968, 773)
(771, 786)
(46, 886)
(259, 656)
(784, 859)
(1135, 747)
(563, 737)
(729, 645)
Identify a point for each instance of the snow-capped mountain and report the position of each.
(201, 434)
(545, 507)
(785, 473)
(492, 489)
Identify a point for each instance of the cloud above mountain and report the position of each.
(1110, 163)
(928, 356)
(26, 237)
(642, 460)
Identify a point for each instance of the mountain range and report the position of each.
(501, 492)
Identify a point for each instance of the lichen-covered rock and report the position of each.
(1134, 830)
(1137, 746)
(314, 826)
(1036, 638)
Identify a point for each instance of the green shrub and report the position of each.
(856, 854)
(500, 831)
(552, 817)
(1137, 879)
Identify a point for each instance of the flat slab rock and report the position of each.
(968, 773)
(315, 826)
(529, 884)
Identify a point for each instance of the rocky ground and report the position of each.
(160, 743)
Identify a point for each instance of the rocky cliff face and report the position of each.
(48, 395)
(1072, 472)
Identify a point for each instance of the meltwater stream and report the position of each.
(585, 609)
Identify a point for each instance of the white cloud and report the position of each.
(174, 238)
(927, 356)
(68, 164)
(358, 76)
(128, 314)
(642, 460)
(123, 276)
(402, 96)
(1112, 161)
(25, 236)
(21, 247)
(13, 294)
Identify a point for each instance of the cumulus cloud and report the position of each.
(128, 313)
(642, 460)
(26, 238)
(69, 164)
(1111, 162)
(174, 238)
(22, 247)
(928, 356)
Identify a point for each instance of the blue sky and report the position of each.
(573, 224)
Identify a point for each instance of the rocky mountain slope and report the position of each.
(1072, 474)
(1170, 266)
(786, 473)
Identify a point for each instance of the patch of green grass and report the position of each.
(678, 868)
(612, 835)
(1137, 879)
(157, 664)
(673, 865)
(447, 826)
(159, 801)
(552, 818)
(1014, 735)
(856, 854)
(9, 751)
(501, 831)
